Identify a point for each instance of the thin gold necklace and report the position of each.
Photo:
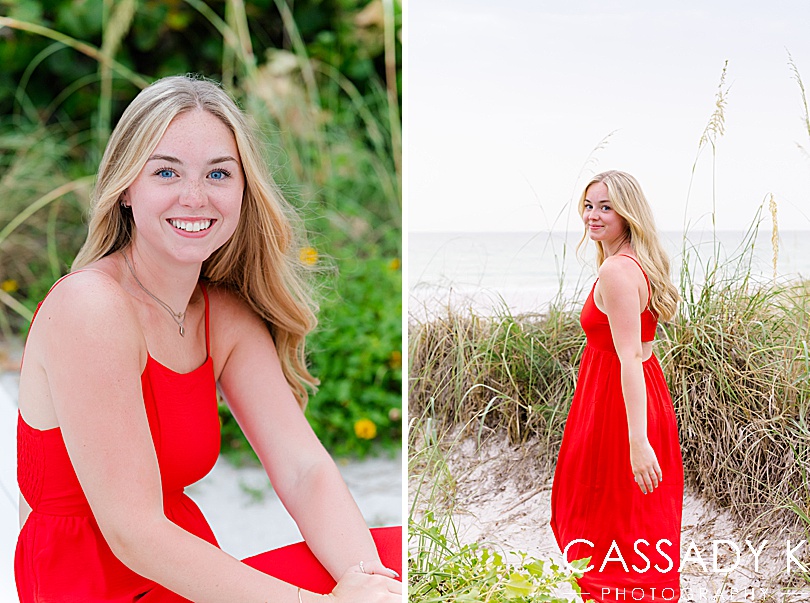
(179, 317)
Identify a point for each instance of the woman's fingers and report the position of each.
(644, 463)
(644, 482)
(387, 571)
(356, 587)
(649, 480)
(373, 568)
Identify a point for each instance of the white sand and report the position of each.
(499, 501)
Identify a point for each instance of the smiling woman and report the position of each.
(187, 188)
(191, 257)
(618, 485)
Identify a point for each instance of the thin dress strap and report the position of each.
(205, 296)
(646, 278)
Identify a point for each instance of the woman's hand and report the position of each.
(358, 587)
(373, 567)
(646, 470)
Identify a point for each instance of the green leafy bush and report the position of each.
(356, 353)
(440, 569)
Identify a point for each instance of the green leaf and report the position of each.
(535, 568)
(518, 586)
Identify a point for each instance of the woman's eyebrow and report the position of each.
(168, 158)
(222, 159)
(172, 159)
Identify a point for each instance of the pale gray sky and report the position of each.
(505, 101)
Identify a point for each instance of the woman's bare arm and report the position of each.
(94, 355)
(302, 472)
(623, 292)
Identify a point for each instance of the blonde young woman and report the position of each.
(618, 486)
(187, 281)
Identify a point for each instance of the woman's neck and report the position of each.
(171, 283)
(617, 248)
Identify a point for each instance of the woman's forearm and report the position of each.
(635, 398)
(197, 570)
(330, 520)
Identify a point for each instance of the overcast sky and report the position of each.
(506, 101)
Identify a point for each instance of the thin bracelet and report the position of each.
(328, 596)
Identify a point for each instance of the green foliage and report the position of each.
(441, 567)
(473, 572)
(312, 74)
(167, 38)
(515, 373)
(356, 355)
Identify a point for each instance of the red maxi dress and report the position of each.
(61, 555)
(597, 509)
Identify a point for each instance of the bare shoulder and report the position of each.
(228, 307)
(231, 317)
(86, 316)
(235, 328)
(621, 282)
(88, 294)
(620, 269)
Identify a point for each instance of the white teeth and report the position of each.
(191, 226)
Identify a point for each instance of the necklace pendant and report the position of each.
(182, 331)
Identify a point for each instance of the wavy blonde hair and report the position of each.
(627, 200)
(260, 261)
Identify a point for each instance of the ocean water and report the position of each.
(524, 271)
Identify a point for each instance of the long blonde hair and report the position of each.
(260, 261)
(627, 200)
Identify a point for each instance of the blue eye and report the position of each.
(165, 173)
(219, 174)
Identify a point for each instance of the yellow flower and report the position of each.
(395, 360)
(394, 264)
(9, 285)
(308, 255)
(365, 429)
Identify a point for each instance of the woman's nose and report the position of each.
(193, 194)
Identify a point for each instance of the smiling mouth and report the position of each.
(191, 226)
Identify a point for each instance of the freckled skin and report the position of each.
(181, 180)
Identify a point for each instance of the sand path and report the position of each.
(498, 500)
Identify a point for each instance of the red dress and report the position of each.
(633, 539)
(61, 554)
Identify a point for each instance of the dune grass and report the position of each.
(735, 358)
(443, 568)
(736, 361)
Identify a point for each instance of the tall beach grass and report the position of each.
(735, 358)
